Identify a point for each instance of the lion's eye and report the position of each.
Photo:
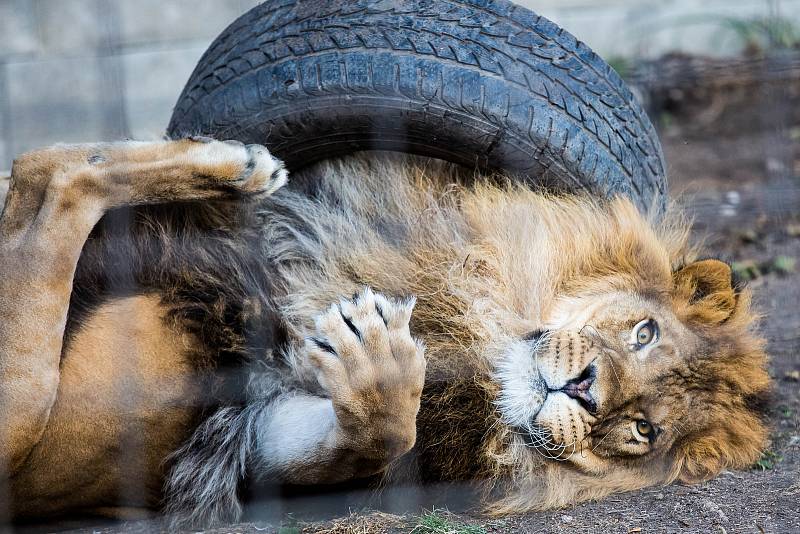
(645, 333)
(642, 430)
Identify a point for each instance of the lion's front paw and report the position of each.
(373, 370)
(250, 169)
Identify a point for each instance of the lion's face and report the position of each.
(656, 381)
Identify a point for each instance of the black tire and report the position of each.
(476, 82)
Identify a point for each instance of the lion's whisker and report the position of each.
(536, 439)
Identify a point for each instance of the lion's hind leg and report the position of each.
(55, 198)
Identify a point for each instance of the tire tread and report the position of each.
(489, 47)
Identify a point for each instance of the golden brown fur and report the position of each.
(126, 398)
(489, 263)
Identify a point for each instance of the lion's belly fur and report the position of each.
(126, 399)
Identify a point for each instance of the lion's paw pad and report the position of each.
(365, 342)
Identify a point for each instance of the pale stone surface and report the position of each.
(75, 26)
(65, 100)
(153, 81)
(18, 28)
(148, 21)
(5, 153)
(650, 28)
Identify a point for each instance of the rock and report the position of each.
(713, 507)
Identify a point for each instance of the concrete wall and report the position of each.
(82, 70)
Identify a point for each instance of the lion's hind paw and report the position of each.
(248, 169)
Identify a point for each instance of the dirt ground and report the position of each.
(742, 186)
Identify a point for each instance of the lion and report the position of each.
(176, 322)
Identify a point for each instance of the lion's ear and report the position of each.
(706, 286)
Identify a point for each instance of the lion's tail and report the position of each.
(202, 487)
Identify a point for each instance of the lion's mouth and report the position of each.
(579, 389)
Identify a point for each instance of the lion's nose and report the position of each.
(534, 336)
(578, 389)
